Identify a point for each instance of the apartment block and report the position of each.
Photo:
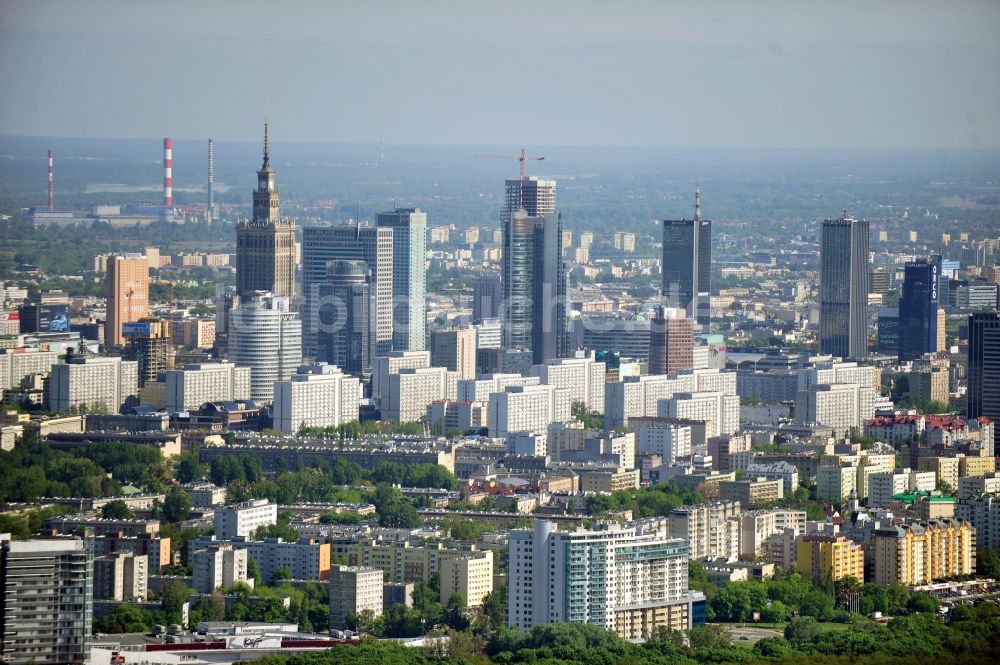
(198, 383)
(121, 576)
(709, 528)
(242, 519)
(92, 382)
(751, 492)
(219, 567)
(354, 589)
(924, 552)
(823, 557)
(410, 391)
(316, 396)
(469, 575)
(582, 377)
(631, 579)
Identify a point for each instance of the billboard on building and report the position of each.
(53, 318)
(137, 329)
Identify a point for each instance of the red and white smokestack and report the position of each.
(52, 196)
(168, 173)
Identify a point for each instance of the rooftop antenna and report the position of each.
(697, 203)
(267, 140)
(52, 197)
(381, 149)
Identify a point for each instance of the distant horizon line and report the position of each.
(417, 144)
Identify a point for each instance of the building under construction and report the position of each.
(148, 342)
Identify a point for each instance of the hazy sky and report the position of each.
(691, 74)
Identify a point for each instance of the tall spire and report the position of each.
(697, 203)
(267, 141)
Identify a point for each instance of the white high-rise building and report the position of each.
(840, 372)
(711, 529)
(479, 390)
(242, 519)
(392, 364)
(639, 396)
(219, 566)
(14, 367)
(527, 409)
(671, 442)
(841, 406)
(410, 391)
(266, 336)
(92, 382)
(583, 377)
(316, 396)
(883, 485)
(409, 277)
(720, 412)
(631, 578)
(195, 384)
(354, 589)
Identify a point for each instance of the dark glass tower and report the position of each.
(918, 309)
(984, 367)
(687, 264)
(534, 286)
(843, 288)
(346, 327)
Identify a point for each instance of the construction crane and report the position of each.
(520, 158)
(128, 303)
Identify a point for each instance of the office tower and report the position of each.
(843, 288)
(687, 264)
(346, 328)
(534, 286)
(537, 197)
(195, 384)
(316, 396)
(354, 589)
(984, 367)
(265, 245)
(147, 342)
(631, 579)
(918, 309)
(409, 277)
(350, 242)
(46, 613)
(456, 350)
(127, 284)
(887, 338)
(92, 383)
(671, 342)
(45, 312)
(487, 296)
(265, 336)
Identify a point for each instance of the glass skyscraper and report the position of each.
(843, 288)
(409, 277)
(918, 309)
(687, 264)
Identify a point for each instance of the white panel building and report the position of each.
(316, 396)
(671, 442)
(242, 519)
(409, 392)
(92, 382)
(583, 377)
(527, 409)
(197, 383)
(396, 361)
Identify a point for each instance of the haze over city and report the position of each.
(771, 74)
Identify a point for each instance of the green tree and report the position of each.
(177, 506)
(253, 572)
(172, 600)
(117, 510)
(187, 468)
(126, 619)
(801, 630)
